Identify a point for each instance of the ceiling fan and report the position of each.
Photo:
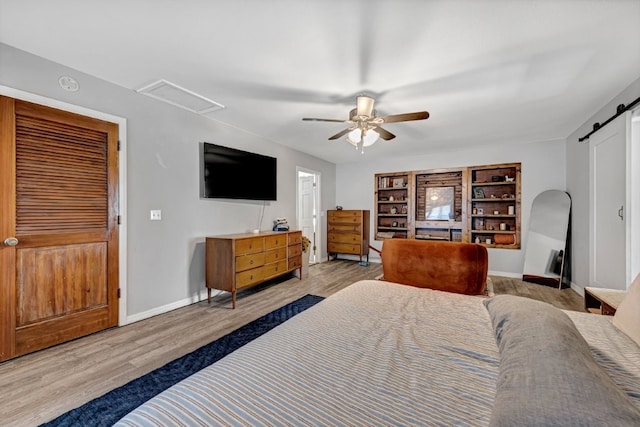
(365, 127)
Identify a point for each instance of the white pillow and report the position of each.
(627, 317)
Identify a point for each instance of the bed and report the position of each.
(379, 353)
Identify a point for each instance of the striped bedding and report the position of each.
(374, 354)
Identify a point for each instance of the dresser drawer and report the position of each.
(343, 248)
(275, 269)
(247, 262)
(342, 227)
(295, 238)
(274, 255)
(278, 241)
(344, 238)
(349, 216)
(249, 246)
(295, 250)
(249, 277)
(294, 262)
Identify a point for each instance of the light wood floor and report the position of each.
(38, 387)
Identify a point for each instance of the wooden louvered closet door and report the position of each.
(59, 192)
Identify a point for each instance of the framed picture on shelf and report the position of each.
(398, 182)
(478, 193)
(480, 211)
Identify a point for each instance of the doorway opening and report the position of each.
(307, 209)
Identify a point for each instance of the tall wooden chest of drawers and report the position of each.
(237, 261)
(348, 232)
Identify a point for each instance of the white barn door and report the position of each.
(608, 206)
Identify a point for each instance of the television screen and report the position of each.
(229, 173)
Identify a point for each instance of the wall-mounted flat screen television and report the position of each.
(229, 173)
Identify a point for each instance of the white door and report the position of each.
(308, 208)
(608, 206)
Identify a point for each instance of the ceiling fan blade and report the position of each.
(384, 134)
(341, 134)
(364, 105)
(419, 115)
(324, 120)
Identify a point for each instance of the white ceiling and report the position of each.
(488, 71)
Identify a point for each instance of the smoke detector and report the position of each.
(68, 83)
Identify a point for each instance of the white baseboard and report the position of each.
(202, 296)
(578, 289)
(505, 274)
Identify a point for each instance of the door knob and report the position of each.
(10, 241)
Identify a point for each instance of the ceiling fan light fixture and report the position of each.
(370, 137)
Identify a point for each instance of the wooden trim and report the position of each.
(7, 227)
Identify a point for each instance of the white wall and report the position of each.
(543, 168)
(578, 184)
(165, 259)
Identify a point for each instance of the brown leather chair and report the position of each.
(445, 266)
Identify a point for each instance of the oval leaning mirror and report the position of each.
(545, 252)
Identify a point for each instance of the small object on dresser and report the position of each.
(338, 208)
(280, 224)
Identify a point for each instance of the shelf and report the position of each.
(391, 188)
(427, 237)
(493, 231)
(393, 228)
(392, 201)
(484, 184)
(392, 215)
(445, 225)
(495, 199)
(492, 216)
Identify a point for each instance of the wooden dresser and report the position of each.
(348, 232)
(237, 261)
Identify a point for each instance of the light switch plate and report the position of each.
(156, 215)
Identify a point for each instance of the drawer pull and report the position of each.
(250, 261)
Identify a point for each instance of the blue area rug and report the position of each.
(109, 408)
